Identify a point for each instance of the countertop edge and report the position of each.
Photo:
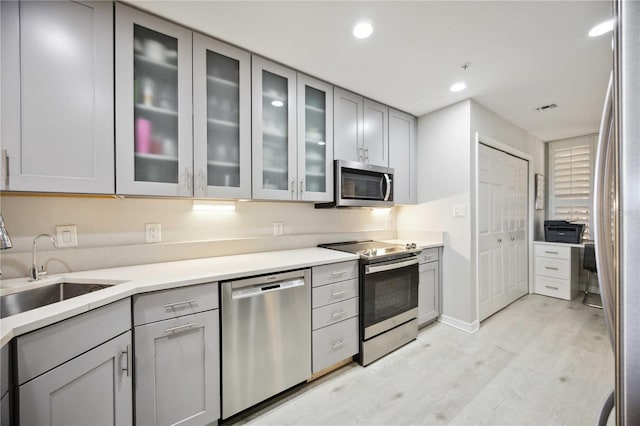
(237, 266)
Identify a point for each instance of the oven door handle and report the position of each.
(389, 266)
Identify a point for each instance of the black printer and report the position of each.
(561, 231)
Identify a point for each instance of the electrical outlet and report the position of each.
(67, 235)
(153, 233)
(278, 229)
(459, 210)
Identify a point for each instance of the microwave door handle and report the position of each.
(388, 191)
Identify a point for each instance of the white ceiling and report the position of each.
(523, 54)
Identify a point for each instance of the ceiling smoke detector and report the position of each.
(546, 107)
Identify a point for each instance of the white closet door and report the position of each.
(502, 229)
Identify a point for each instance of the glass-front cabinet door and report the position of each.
(315, 140)
(153, 106)
(222, 119)
(274, 131)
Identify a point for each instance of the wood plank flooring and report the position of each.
(540, 361)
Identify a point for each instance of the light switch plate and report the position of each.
(67, 235)
(278, 229)
(459, 210)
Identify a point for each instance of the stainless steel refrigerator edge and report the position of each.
(617, 212)
(266, 337)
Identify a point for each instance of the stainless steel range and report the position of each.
(388, 295)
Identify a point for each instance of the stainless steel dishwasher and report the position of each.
(266, 337)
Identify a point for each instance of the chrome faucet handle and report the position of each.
(35, 274)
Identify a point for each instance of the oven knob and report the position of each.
(374, 252)
(413, 245)
(408, 246)
(367, 252)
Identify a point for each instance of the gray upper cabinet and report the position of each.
(348, 125)
(154, 144)
(376, 133)
(221, 119)
(274, 131)
(402, 156)
(361, 131)
(315, 139)
(57, 96)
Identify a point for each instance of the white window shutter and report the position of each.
(571, 180)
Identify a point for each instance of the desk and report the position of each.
(556, 269)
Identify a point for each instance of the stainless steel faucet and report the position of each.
(35, 272)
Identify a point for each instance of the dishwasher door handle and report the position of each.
(264, 288)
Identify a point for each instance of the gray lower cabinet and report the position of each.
(429, 287)
(5, 419)
(335, 314)
(77, 371)
(177, 356)
(93, 388)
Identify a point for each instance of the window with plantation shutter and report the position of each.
(571, 180)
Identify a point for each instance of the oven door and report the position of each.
(390, 295)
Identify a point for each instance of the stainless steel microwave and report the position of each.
(361, 185)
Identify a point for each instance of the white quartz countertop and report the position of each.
(131, 280)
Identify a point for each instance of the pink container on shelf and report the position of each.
(143, 136)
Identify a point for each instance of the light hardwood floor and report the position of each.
(540, 361)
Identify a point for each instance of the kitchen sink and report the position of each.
(12, 304)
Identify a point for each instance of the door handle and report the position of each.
(180, 328)
(339, 293)
(301, 185)
(5, 167)
(127, 366)
(174, 304)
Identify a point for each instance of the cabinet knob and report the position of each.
(499, 240)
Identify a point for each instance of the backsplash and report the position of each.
(111, 231)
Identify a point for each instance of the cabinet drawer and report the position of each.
(332, 293)
(327, 274)
(336, 312)
(553, 287)
(334, 343)
(428, 255)
(167, 304)
(51, 346)
(553, 251)
(556, 268)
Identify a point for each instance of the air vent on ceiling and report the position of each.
(546, 107)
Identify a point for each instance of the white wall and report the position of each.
(490, 124)
(446, 173)
(111, 231)
(443, 180)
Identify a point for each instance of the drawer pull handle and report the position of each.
(339, 293)
(551, 268)
(338, 314)
(180, 328)
(551, 287)
(184, 302)
(551, 252)
(337, 345)
(338, 273)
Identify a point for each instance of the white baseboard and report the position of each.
(469, 327)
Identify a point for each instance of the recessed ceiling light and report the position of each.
(602, 28)
(458, 87)
(362, 29)
(277, 103)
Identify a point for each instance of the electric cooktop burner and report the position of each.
(369, 250)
